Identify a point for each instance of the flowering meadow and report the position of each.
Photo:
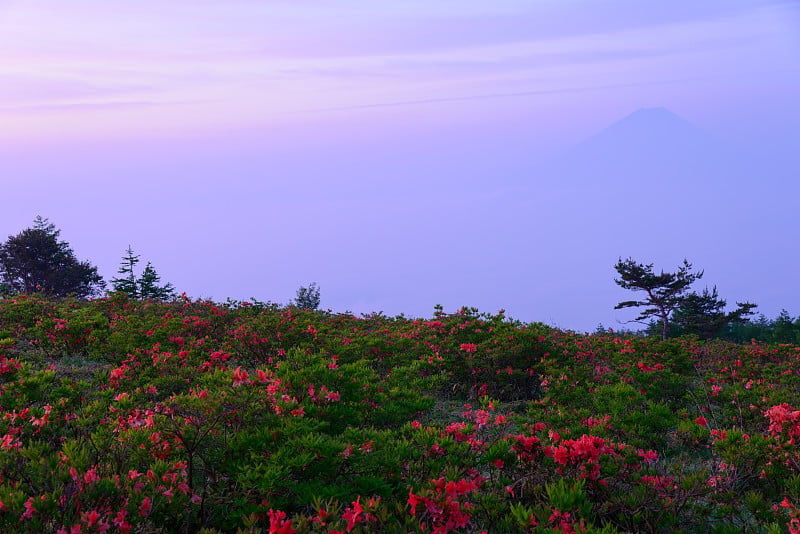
(126, 416)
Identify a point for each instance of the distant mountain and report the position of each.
(651, 135)
(652, 170)
(652, 148)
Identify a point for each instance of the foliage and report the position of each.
(704, 314)
(664, 292)
(782, 329)
(785, 329)
(35, 260)
(146, 286)
(127, 282)
(149, 287)
(307, 297)
(118, 415)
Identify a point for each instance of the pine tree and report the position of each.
(784, 328)
(664, 292)
(149, 288)
(145, 286)
(127, 282)
(704, 314)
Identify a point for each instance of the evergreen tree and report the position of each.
(127, 282)
(784, 329)
(308, 297)
(664, 292)
(36, 260)
(704, 314)
(145, 286)
(149, 288)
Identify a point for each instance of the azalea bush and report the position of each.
(119, 415)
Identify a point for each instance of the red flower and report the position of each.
(278, 523)
(702, 421)
(561, 455)
(649, 456)
(413, 501)
(145, 507)
(240, 377)
(352, 514)
(90, 518)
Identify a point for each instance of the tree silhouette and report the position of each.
(308, 297)
(664, 292)
(127, 283)
(704, 314)
(146, 286)
(149, 288)
(36, 260)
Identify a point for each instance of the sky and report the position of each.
(383, 149)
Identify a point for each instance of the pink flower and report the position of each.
(469, 348)
(90, 518)
(91, 476)
(29, 509)
(145, 507)
(649, 456)
(240, 377)
(780, 415)
(263, 376)
(120, 522)
(117, 374)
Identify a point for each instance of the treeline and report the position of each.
(782, 329)
(37, 260)
(671, 310)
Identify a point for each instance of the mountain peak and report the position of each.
(659, 110)
(652, 145)
(655, 121)
(649, 133)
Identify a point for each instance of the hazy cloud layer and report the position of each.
(252, 60)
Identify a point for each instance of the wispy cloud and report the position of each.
(272, 57)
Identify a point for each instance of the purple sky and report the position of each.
(248, 147)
